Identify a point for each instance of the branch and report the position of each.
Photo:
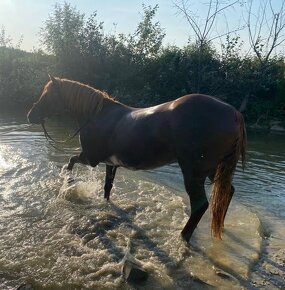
(269, 26)
(213, 11)
(227, 33)
(193, 24)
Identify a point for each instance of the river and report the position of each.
(54, 236)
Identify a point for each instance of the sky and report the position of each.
(26, 17)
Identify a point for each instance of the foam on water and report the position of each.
(56, 235)
(81, 240)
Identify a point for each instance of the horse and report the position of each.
(204, 135)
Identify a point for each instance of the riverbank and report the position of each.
(275, 127)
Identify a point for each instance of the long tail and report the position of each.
(222, 188)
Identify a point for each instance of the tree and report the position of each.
(141, 50)
(6, 40)
(61, 35)
(266, 27)
(146, 42)
(61, 31)
(203, 30)
(266, 24)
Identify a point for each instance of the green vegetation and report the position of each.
(137, 69)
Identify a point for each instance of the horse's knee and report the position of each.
(71, 162)
(81, 158)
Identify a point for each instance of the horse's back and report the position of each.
(201, 104)
(203, 114)
(204, 129)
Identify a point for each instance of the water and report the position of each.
(58, 237)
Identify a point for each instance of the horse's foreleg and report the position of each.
(110, 175)
(198, 202)
(76, 159)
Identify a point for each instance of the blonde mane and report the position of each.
(81, 99)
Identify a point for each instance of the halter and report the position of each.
(52, 141)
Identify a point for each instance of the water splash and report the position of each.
(55, 235)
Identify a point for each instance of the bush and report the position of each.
(22, 75)
(137, 69)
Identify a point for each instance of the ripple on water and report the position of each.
(55, 237)
(80, 239)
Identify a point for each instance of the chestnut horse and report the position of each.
(204, 135)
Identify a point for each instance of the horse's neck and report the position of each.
(76, 99)
(109, 106)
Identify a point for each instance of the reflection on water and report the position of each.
(59, 237)
(4, 165)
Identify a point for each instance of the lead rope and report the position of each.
(52, 142)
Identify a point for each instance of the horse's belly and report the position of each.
(139, 163)
(116, 161)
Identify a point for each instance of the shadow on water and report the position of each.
(266, 270)
(98, 228)
(260, 185)
(242, 280)
(239, 241)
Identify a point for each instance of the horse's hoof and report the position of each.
(133, 273)
(70, 180)
(107, 197)
(185, 238)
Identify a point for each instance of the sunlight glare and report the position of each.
(3, 163)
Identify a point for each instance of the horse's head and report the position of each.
(50, 103)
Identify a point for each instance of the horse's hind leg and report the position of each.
(194, 186)
(110, 175)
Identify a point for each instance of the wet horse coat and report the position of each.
(204, 135)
